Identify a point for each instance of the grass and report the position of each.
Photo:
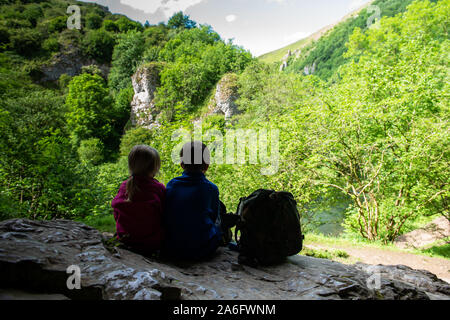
(277, 55)
(330, 254)
(419, 222)
(103, 223)
(440, 249)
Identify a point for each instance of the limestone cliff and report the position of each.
(145, 82)
(225, 96)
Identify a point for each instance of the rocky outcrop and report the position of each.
(225, 96)
(69, 61)
(310, 69)
(438, 229)
(145, 81)
(35, 255)
(284, 61)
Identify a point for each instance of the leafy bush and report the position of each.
(126, 57)
(110, 26)
(93, 21)
(98, 45)
(57, 24)
(89, 106)
(51, 45)
(90, 151)
(26, 41)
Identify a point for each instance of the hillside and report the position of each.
(326, 54)
(277, 55)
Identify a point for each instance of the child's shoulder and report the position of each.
(159, 184)
(212, 186)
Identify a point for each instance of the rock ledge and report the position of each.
(34, 255)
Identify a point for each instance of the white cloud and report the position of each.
(279, 1)
(231, 17)
(295, 36)
(355, 4)
(168, 7)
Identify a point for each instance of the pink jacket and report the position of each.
(139, 223)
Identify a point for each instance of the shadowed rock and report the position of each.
(34, 256)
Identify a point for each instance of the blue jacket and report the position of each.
(191, 217)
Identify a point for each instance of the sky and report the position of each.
(259, 26)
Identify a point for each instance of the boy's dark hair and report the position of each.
(195, 156)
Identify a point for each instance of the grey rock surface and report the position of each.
(70, 62)
(145, 82)
(438, 229)
(34, 256)
(226, 96)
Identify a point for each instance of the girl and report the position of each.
(138, 206)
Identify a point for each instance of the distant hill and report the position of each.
(324, 51)
(277, 55)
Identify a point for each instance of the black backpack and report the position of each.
(270, 228)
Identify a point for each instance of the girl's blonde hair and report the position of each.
(143, 160)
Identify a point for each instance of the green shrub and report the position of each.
(110, 26)
(4, 35)
(51, 45)
(93, 21)
(64, 80)
(90, 151)
(26, 41)
(57, 24)
(98, 45)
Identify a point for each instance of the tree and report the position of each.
(26, 41)
(89, 108)
(98, 45)
(179, 20)
(126, 57)
(90, 151)
(385, 147)
(93, 21)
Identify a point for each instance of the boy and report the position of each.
(191, 217)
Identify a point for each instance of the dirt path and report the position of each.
(438, 266)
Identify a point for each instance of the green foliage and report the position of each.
(36, 160)
(124, 24)
(385, 147)
(99, 45)
(57, 24)
(93, 21)
(110, 26)
(179, 20)
(376, 137)
(26, 41)
(442, 251)
(197, 59)
(4, 36)
(126, 57)
(89, 108)
(325, 254)
(328, 52)
(64, 80)
(90, 151)
(51, 45)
